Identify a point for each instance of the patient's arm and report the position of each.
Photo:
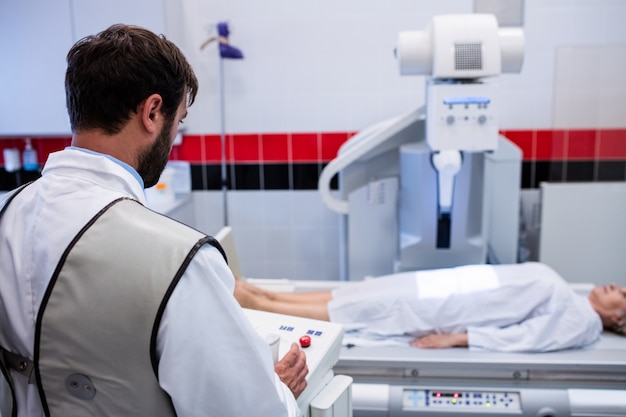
(256, 299)
(314, 297)
(441, 341)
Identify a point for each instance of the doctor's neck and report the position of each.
(119, 146)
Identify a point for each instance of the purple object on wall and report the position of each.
(226, 50)
(222, 29)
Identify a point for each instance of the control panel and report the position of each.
(320, 341)
(462, 116)
(501, 399)
(443, 400)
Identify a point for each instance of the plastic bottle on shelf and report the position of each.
(12, 161)
(29, 157)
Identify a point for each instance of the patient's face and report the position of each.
(609, 299)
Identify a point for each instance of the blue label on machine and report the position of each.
(466, 100)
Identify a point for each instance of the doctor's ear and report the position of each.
(150, 111)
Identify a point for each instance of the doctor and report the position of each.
(107, 308)
(509, 308)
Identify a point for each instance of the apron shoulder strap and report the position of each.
(9, 360)
(8, 197)
(12, 361)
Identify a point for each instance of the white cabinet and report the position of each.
(35, 36)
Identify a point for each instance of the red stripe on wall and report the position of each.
(581, 144)
(525, 140)
(331, 142)
(550, 145)
(275, 147)
(321, 147)
(198, 149)
(244, 148)
(572, 145)
(264, 147)
(612, 144)
(306, 147)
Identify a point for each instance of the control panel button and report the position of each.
(305, 341)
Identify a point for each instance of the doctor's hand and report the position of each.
(441, 341)
(292, 370)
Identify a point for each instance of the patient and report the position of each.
(509, 308)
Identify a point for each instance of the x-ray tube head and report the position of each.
(466, 46)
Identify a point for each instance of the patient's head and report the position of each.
(609, 302)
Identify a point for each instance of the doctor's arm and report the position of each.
(211, 359)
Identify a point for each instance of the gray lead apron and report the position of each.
(95, 340)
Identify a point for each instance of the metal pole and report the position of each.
(223, 142)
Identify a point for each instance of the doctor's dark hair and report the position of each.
(109, 74)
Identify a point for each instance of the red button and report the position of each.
(305, 341)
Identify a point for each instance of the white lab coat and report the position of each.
(509, 308)
(212, 361)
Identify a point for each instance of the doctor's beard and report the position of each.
(153, 160)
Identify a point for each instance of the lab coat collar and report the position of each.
(99, 168)
(117, 161)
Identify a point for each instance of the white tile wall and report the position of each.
(278, 234)
(590, 86)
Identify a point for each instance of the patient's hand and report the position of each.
(441, 341)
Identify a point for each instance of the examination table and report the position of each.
(407, 381)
